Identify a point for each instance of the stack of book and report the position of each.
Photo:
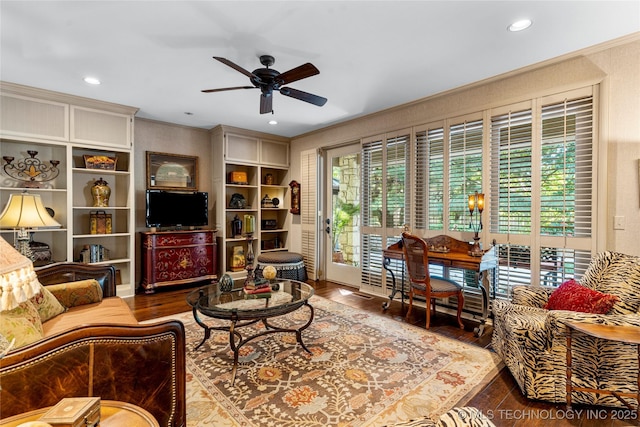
(257, 290)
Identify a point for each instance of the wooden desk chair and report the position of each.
(421, 283)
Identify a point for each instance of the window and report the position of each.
(542, 190)
(532, 159)
(385, 205)
(460, 161)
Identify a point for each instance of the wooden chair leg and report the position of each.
(410, 304)
(460, 304)
(428, 307)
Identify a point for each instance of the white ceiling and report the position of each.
(157, 55)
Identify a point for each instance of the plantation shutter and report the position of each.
(567, 186)
(398, 185)
(429, 179)
(542, 190)
(465, 170)
(385, 205)
(510, 184)
(309, 211)
(371, 211)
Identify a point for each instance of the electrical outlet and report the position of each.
(618, 222)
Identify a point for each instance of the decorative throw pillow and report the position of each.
(72, 294)
(48, 306)
(572, 296)
(22, 323)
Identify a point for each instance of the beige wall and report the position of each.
(615, 66)
(162, 137)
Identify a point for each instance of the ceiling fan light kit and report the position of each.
(269, 80)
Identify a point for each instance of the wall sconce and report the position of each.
(476, 206)
(25, 211)
(31, 170)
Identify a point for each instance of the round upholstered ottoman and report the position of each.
(288, 265)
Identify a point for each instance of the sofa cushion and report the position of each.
(110, 310)
(22, 323)
(47, 305)
(572, 296)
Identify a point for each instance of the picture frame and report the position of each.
(166, 171)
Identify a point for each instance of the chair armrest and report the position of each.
(139, 364)
(73, 294)
(531, 296)
(501, 307)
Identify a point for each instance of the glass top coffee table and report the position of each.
(244, 310)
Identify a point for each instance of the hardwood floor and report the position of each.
(501, 400)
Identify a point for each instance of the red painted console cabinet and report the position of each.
(178, 257)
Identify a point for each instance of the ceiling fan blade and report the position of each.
(266, 103)
(298, 73)
(228, 88)
(237, 67)
(303, 96)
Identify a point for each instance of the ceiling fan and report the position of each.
(269, 80)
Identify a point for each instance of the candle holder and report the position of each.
(476, 206)
(249, 258)
(31, 170)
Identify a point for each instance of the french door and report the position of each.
(341, 216)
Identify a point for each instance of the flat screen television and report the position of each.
(177, 209)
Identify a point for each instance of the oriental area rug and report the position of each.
(366, 370)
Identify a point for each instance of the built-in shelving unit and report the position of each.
(66, 128)
(256, 155)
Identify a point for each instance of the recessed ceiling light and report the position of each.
(92, 80)
(273, 122)
(520, 25)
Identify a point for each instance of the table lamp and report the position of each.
(476, 206)
(24, 211)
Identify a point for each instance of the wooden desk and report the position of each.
(624, 334)
(456, 257)
(112, 414)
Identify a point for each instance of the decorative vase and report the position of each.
(100, 192)
(236, 227)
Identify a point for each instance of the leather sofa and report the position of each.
(97, 349)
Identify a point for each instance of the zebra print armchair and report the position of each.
(532, 340)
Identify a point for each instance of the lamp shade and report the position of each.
(480, 201)
(18, 280)
(26, 210)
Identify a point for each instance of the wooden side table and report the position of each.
(623, 334)
(112, 414)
